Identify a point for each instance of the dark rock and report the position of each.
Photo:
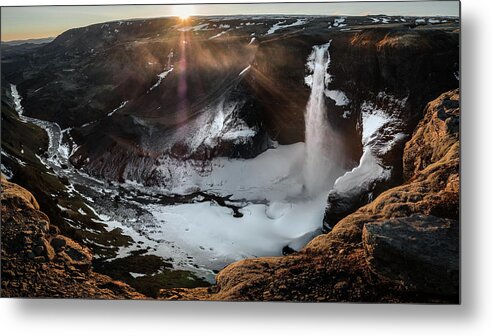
(54, 230)
(8, 274)
(38, 250)
(58, 243)
(419, 251)
(286, 250)
(30, 254)
(339, 205)
(326, 228)
(27, 241)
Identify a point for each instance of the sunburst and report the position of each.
(183, 12)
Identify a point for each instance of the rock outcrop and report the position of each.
(402, 247)
(437, 134)
(39, 262)
(419, 251)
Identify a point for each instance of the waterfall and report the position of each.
(322, 146)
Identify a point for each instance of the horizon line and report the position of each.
(213, 15)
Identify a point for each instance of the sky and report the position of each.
(18, 23)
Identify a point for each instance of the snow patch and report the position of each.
(218, 35)
(390, 143)
(339, 22)
(338, 97)
(279, 25)
(136, 275)
(215, 237)
(383, 19)
(238, 134)
(6, 171)
(194, 28)
(244, 70)
(123, 104)
(272, 175)
(216, 123)
(160, 77)
(368, 171)
(372, 120)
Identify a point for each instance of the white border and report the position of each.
(473, 317)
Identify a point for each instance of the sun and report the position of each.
(183, 12)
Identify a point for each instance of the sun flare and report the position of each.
(183, 12)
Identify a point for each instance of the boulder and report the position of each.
(11, 191)
(422, 252)
(58, 243)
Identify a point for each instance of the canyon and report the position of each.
(188, 156)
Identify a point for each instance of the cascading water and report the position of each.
(322, 149)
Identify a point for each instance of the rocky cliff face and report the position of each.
(39, 262)
(397, 71)
(132, 93)
(403, 244)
